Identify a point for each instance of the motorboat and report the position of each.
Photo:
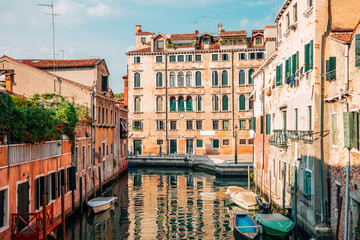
(275, 224)
(100, 204)
(242, 197)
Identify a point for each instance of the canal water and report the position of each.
(162, 203)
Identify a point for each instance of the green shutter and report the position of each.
(133, 125)
(311, 54)
(215, 78)
(306, 49)
(225, 103)
(278, 76)
(199, 143)
(261, 124)
(327, 70)
(253, 123)
(307, 184)
(181, 105)
(251, 71)
(281, 72)
(242, 102)
(347, 129)
(357, 50)
(334, 129)
(297, 60)
(241, 77)
(189, 105)
(198, 79)
(172, 105)
(268, 124)
(354, 127)
(294, 63)
(333, 68)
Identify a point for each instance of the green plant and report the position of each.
(252, 174)
(357, 230)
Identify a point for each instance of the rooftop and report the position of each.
(49, 63)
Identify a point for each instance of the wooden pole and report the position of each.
(270, 187)
(63, 211)
(248, 178)
(295, 203)
(81, 195)
(44, 218)
(338, 219)
(284, 190)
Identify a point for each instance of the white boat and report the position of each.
(101, 203)
(242, 197)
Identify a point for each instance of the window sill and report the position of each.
(309, 11)
(160, 112)
(137, 63)
(138, 112)
(137, 88)
(160, 130)
(159, 87)
(244, 110)
(189, 129)
(287, 33)
(173, 129)
(159, 62)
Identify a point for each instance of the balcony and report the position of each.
(280, 138)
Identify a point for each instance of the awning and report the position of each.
(123, 125)
(183, 43)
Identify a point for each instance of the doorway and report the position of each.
(137, 147)
(23, 202)
(173, 146)
(189, 146)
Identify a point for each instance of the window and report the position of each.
(198, 104)
(250, 141)
(107, 115)
(215, 103)
(197, 58)
(252, 123)
(39, 191)
(159, 79)
(172, 125)
(284, 120)
(258, 41)
(288, 21)
(104, 83)
(215, 144)
(76, 158)
(261, 124)
(251, 71)
(198, 79)
(225, 103)
(279, 75)
(89, 155)
(172, 104)
(71, 179)
(172, 79)
(295, 62)
(215, 125)
(242, 103)
(279, 31)
(181, 103)
(252, 55)
(160, 125)
(181, 82)
(180, 58)
(224, 78)
(143, 40)
(331, 69)
(3, 207)
(61, 181)
(189, 106)
(242, 124)
(99, 117)
(357, 50)
(159, 45)
(296, 119)
(188, 58)
(214, 57)
(241, 77)
(159, 142)
(260, 55)
(268, 124)
(137, 105)
(242, 56)
(309, 56)
(188, 79)
(172, 58)
(103, 116)
(251, 103)
(225, 124)
(159, 104)
(137, 125)
(242, 141)
(189, 125)
(310, 117)
(351, 129)
(215, 78)
(199, 143)
(295, 13)
(199, 125)
(307, 185)
(334, 129)
(226, 142)
(224, 57)
(137, 80)
(310, 3)
(83, 157)
(136, 59)
(159, 59)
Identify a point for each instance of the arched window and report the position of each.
(159, 104)
(189, 106)
(172, 104)
(188, 79)
(198, 103)
(181, 103)
(215, 103)
(214, 78)
(172, 79)
(225, 103)
(198, 79)
(242, 102)
(181, 79)
(159, 79)
(137, 82)
(241, 77)
(224, 78)
(251, 71)
(251, 103)
(137, 106)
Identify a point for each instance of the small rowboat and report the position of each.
(101, 203)
(245, 225)
(275, 224)
(242, 197)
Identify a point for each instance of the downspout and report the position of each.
(325, 34)
(263, 132)
(94, 139)
(166, 105)
(92, 134)
(232, 95)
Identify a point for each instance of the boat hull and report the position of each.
(275, 224)
(101, 204)
(243, 198)
(245, 226)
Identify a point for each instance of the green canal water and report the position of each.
(162, 203)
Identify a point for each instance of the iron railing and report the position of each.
(280, 138)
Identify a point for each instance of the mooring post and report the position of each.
(63, 212)
(284, 189)
(249, 178)
(270, 188)
(44, 218)
(81, 195)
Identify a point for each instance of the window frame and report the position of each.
(213, 141)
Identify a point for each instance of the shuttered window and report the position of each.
(159, 79)
(307, 185)
(61, 181)
(199, 143)
(216, 143)
(225, 103)
(158, 59)
(334, 129)
(279, 75)
(198, 79)
(224, 78)
(311, 54)
(261, 124)
(172, 104)
(214, 57)
(253, 123)
(215, 78)
(189, 105)
(172, 58)
(251, 71)
(71, 177)
(39, 192)
(104, 83)
(242, 103)
(351, 129)
(2, 208)
(306, 50)
(181, 104)
(137, 81)
(331, 69)
(268, 124)
(198, 58)
(293, 67)
(241, 77)
(357, 50)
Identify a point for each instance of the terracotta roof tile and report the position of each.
(183, 36)
(145, 33)
(231, 33)
(141, 50)
(345, 37)
(12, 93)
(49, 63)
(271, 26)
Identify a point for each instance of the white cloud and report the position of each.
(99, 10)
(131, 48)
(258, 3)
(244, 23)
(263, 22)
(10, 51)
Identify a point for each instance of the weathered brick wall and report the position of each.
(3, 156)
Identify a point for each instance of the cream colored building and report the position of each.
(189, 93)
(292, 134)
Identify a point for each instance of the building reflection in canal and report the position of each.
(162, 203)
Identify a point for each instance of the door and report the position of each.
(173, 146)
(189, 146)
(23, 201)
(137, 147)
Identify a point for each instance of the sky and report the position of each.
(106, 28)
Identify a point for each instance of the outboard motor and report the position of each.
(263, 207)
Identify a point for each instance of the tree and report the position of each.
(119, 95)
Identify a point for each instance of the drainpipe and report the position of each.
(233, 100)
(263, 133)
(322, 43)
(166, 105)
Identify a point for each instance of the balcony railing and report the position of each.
(280, 138)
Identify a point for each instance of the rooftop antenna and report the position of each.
(53, 15)
(62, 53)
(195, 24)
(204, 22)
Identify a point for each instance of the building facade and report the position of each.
(190, 93)
(291, 142)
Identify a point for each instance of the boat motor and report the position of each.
(263, 207)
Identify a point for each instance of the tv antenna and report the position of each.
(53, 15)
(195, 24)
(205, 20)
(62, 53)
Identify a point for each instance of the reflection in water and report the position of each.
(162, 203)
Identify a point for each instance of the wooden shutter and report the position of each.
(311, 54)
(53, 186)
(72, 178)
(261, 124)
(254, 123)
(357, 50)
(307, 184)
(297, 60)
(332, 68)
(327, 70)
(347, 130)
(354, 127)
(37, 193)
(2, 207)
(306, 50)
(294, 63)
(268, 123)
(47, 188)
(225, 102)
(278, 76)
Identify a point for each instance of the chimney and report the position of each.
(138, 28)
(9, 80)
(219, 28)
